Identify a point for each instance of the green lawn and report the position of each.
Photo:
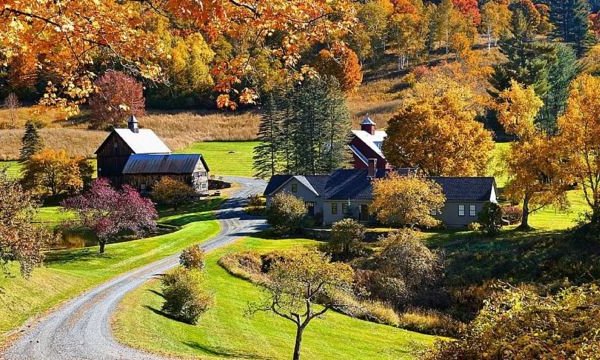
(226, 157)
(224, 331)
(13, 168)
(70, 272)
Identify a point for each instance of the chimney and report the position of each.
(368, 125)
(372, 171)
(132, 124)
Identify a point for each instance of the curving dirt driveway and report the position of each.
(80, 329)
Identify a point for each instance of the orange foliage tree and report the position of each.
(68, 38)
(436, 131)
(341, 63)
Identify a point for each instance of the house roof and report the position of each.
(143, 142)
(466, 188)
(372, 141)
(354, 184)
(163, 164)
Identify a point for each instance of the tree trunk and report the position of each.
(102, 245)
(298, 343)
(525, 217)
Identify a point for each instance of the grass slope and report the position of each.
(224, 331)
(70, 272)
(13, 168)
(226, 157)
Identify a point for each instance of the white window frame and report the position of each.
(294, 188)
(472, 210)
(334, 208)
(461, 210)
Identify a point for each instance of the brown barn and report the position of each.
(139, 158)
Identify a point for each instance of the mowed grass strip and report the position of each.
(13, 168)
(226, 157)
(68, 273)
(225, 331)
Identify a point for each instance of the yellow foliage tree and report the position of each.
(407, 200)
(534, 161)
(55, 172)
(579, 132)
(409, 25)
(436, 131)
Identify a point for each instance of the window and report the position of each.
(142, 187)
(461, 210)
(334, 208)
(345, 208)
(310, 207)
(472, 210)
(294, 188)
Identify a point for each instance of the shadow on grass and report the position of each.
(68, 256)
(193, 207)
(222, 352)
(189, 218)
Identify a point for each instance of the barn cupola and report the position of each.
(368, 125)
(132, 124)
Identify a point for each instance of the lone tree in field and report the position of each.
(12, 104)
(407, 200)
(20, 240)
(300, 280)
(31, 142)
(109, 212)
(118, 96)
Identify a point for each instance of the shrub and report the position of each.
(172, 192)
(285, 213)
(192, 258)
(246, 265)
(474, 226)
(118, 96)
(256, 205)
(490, 218)
(519, 324)
(512, 213)
(185, 300)
(345, 239)
(429, 322)
(407, 270)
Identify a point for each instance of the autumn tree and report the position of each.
(70, 39)
(436, 131)
(171, 192)
(449, 24)
(370, 37)
(579, 134)
(118, 96)
(31, 142)
(407, 200)
(303, 286)
(534, 163)
(11, 103)
(495, 21)
(345, 239)
(20, 239)
(54, 172)
(408, 28)
(285, 213)
(406, 269)
(341, 63)
(109, 212)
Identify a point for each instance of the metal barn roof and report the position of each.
(163, 164)
(143, 142)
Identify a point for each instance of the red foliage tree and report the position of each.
(470, 9)
(595, 19)
(117, 96)
(108, 212)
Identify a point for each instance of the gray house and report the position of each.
(348, 193)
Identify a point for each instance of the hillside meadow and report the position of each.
(225, 330)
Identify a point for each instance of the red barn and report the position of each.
(366, 146)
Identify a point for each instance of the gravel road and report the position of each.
(80, 329)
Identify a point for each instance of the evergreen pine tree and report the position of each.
(31, 142)
(561, 71)
(266, 154)
(572, 24)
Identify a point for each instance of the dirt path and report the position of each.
(80, 329)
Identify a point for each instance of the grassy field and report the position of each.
(224, 331)
(13, 168)
(226, 157)
(70, 272)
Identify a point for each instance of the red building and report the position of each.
(366, 146)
